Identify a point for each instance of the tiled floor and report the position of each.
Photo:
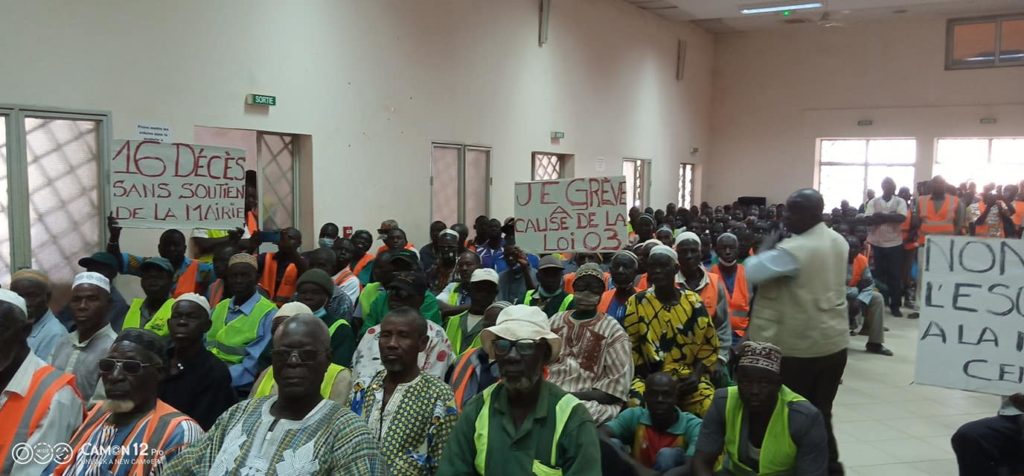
(887, 426)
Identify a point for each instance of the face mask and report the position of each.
(326, 242)
(586, 300)
(726, 263)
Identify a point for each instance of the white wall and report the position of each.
(374, 82)
(776, 91)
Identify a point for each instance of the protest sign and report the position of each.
(164, 185)
(581, 214)
(971, 333)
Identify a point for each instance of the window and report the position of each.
(980, 160)
(460, 181)
(549, 166)
(52, 209)
(276, 156)
(985, 42)
(849, 167)
(686, 197)
(637, 172)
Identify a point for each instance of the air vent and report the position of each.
(795, 21)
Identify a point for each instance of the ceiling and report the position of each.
(721, 16)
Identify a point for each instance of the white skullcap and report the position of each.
(293, 308)
(449, 231)
(727, 235)
(664, 250)
(93, 278)
(6, 295)
(193, 297)
(687, 236)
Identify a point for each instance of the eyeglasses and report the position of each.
(129, 367)
(303, 356)
(524, 346)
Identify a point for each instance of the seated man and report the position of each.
(217, 290)
(523, 424)
(985, 446)
(337, 383)
(106, 264)
(410, 413)
(296, 431)
(81, 351)
(346, 280)
(520, 274)
(446, 256)
(315, 290)
(454, 298)
(153, 311)
(409, 291)
(659, 436)
(474, 371)
(189, 275)
(863, 298)
(550, 295)
(34, 287)
(595, 363)
(760, 425)
(464, 329)
(280, 270)
(38, 403)
(132, 431)
(623, 271)
(241, 325)
(197, 382)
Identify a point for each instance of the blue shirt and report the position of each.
(244, 374)
(132, 265)
(47, 332)
(493, 258)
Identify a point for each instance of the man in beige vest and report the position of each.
(800, 305)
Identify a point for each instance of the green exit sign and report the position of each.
(261, 100)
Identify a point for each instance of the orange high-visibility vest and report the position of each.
(606, 300)
(641, 285)
(187, 281)
(570, 278)
(250, 223)
(937, 222)
(20, 416)
(215, 293)
(908, 244)
(739, 299)
(408, 246)
(860, 263)
(465, 368)
(1018, 212)
(281, 292)
(160, 427)
(709, 294)
(345, 276)
(365, 260)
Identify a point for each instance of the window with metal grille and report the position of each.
(982, 160)
(460, 181)
(548, 166)
(637, 172)
(685, 185)
(276, 158)
(986, 42)
(847, 168)
(50, 168)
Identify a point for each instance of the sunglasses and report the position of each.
(303, 356)
(524, 346)
(129, 367)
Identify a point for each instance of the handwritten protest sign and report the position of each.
(162, 185)
(971, 334)
(580, 214)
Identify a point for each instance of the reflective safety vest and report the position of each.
(215, 293)
(365, 260)
(1018, 212)
(565, 301)
(20, 415)
(908, 244)
(228, 342)
(187, 281)
(739, 299)
(463, 375)
(267, 384)
(453, 297)
(251, 224)
(285, 290)
(547, 468)
(937, 222)
(860, 263)
(641, 284)
(344, 276)
(709, 293)
(157, 322)
(159, 428)
(454, 331)
(778, 451)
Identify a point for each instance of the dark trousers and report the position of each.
(817, 379)
(983, 446)
(889, 271)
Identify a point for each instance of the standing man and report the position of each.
(189, 275)
(885, 216)
(523, 424)
(801, 305)
(939, 213)
(34, 287)
(80, 352)
(241, 325)
(734, 276)
(38, 403)
(411, 413)
(279, 271)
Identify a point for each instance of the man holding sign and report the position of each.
(190, 276)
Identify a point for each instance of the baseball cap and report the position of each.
(405, 255)
(101, 258)
(484, 274)
(413, 282)
(157, 262)
(550, 261)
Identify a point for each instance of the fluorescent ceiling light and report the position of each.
(754, 10)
